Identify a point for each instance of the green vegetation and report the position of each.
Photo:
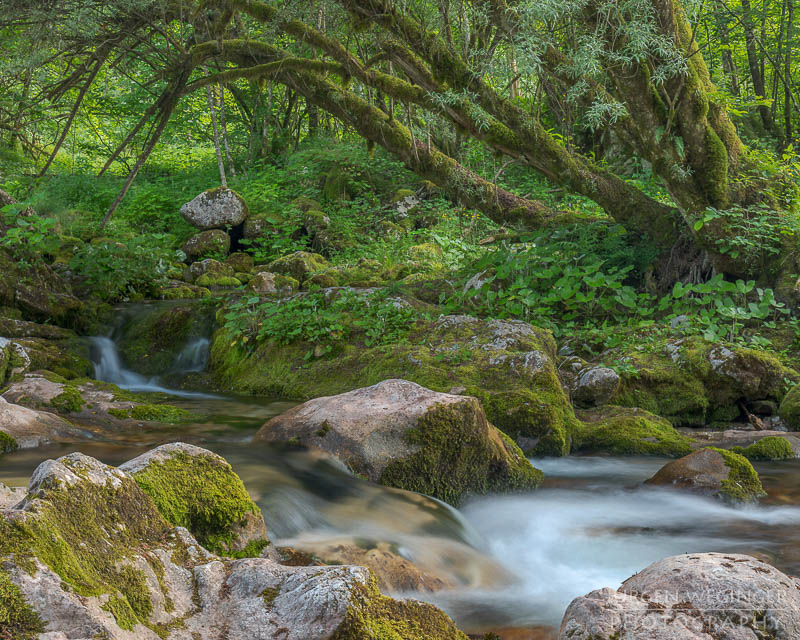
(203, 494)
(458, 457)
(769, 448)
(7, 443)
(17, 619)
(743, 483)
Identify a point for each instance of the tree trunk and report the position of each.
(755, 65)
(212, 109)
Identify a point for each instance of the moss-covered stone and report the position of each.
(165, 413)
(240, 262)
(315, 221)
(151, 337)
(743, 483)
(83, 527)
(372, 615)
(625, 431)
(306, 204)
(214, 243)
(508, 365)
(201, 493)
(790, 408)
(68, 401)
(183, 292)
(300, 265)
(7, 443)
(693, 382)
(223, 281)
(453, 461)
(18, 621)
(769, 448)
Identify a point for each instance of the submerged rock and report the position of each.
(705, 596)
(715, 472)
(403, 435)
(87, 554)
(215, 209)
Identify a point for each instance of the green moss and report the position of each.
(268, 595)
(18, 620)
(372, 615)
(527, 403)
(743, 483)
(623, 431)
(183, 293)
(769, 448)
(207, 280)
(7, 443)
(122, 611)
(84, 532)
(68, 401)
(201, 493)
(457, 456)
(300, 265)
(306, 204)
(153, 413)
(790, 408)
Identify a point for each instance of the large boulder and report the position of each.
(214, 243)
(509, 365)
(704, 596)
(197, 489)
(403, 435)
(715, 472)
(87, 554)
(215, 209)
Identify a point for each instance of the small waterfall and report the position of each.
(108, 367)
(193, 358)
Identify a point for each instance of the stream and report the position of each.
(519, 560)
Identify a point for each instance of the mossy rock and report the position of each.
(183, 292)
(150, 338)
(322, 280)
(306, 204)
(402, 435)
(197, 489)
(207, 280)
(240, 262)
(79, 503)
(625, 431)
(163, 413)
(7, 443)
(68, 401)
(18, 621)
(790, 408)
(214, 243)
(426, 252)
(694, 383)
(315, 221)
(508, 365)
(300, 265)
(769, 448)
(373, 615)
(338, 186)
(723, 474)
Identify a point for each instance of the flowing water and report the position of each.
(519, 560)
